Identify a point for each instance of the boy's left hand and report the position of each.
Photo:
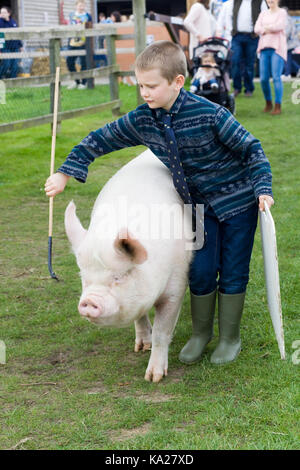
(264, 197)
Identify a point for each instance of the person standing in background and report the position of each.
(272, 46)
(244, 14)
(80, 16)
(200, 23)
(291, 66)
(9, 67)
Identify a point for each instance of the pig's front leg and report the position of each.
(164, 323)
(143, 334)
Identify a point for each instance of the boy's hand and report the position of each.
(55, 184)
(264, 197)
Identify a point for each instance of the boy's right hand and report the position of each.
(55, 184)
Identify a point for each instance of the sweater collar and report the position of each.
(179, 102)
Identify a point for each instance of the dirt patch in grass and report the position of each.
(126, 434)
(155, 397)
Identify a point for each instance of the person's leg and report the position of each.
(288, 64)
(265, 73)
(4, 67)
(203, 289)
(71, 63)
(236, 48)
(83, 67)
(250, 47)
(277, 64)
(14, 68)
(237, 236)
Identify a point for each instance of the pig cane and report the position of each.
(54, 127)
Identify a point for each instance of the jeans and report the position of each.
(291, 66)
(9, 67)
(226, 253)
(71, 62)
(271, 65)
(244, 48)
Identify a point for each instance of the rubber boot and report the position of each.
(230, 308)
(203, 312)
(276, 110)
(268, 107)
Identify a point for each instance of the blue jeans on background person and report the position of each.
(271, 65)
(227, 253)
(244, 48)
(291, 66)
(71, 62)
(9, 67)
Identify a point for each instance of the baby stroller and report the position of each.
(219, 48)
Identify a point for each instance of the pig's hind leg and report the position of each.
(167, 312)
(143, 334)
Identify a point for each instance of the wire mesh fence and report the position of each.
(88, 75)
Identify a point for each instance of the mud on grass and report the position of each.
(68, 385)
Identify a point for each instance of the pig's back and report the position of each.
(145, 179)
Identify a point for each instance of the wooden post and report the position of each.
(113, 77)
(89, 47)
(139, 12)
(54, 58)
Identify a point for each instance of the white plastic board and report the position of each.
(269, 248)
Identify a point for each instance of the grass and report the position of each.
(68, 385)
(26, 103)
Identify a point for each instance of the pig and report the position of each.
(125, 271)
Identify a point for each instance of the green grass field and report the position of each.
(68, 385)
(26, 103)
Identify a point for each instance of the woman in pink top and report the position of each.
(272, 46)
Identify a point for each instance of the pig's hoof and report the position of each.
(141, 346)
(154, 376)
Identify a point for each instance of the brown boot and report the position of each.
(268, 107)
(277, 109)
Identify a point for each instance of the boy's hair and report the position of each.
(167, 56)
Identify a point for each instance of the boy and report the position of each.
(206, 76)
(225, 169)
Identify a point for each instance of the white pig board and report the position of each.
(269, 249)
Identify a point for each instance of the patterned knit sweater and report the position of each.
(224, 164)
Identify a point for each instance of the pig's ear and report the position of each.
(74, 229)
(130, 247)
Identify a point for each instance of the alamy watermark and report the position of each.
(296, 353)
(2, 352)
(296, 94)
(151, 221)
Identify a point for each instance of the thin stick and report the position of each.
(53, 143)
(54, 128)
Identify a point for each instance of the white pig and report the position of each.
(126, 270)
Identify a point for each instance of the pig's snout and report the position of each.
(89, 308)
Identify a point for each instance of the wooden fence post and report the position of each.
(89, 47)
(139, 11)
(113, 77)
(54, 59)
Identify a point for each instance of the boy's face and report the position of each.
(156, 90)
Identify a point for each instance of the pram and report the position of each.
(219, 47)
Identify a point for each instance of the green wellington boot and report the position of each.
(203, 311)
(230, 307)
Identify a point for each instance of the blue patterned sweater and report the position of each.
(224, 164)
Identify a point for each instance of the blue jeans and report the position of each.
(71, 62)
(9, 67)
(291, 66)
(244, 48)
(226, 254)
(271, 65)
